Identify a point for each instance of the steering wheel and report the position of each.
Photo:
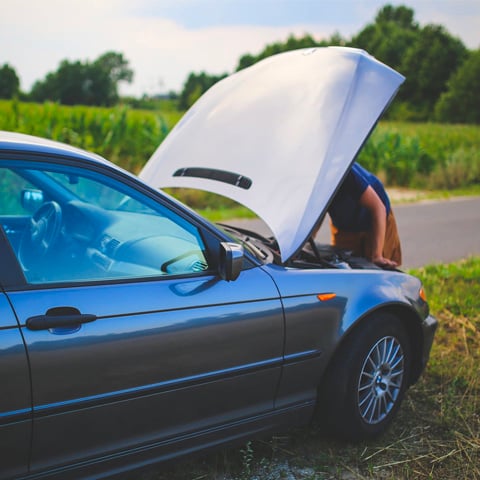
(42, 234)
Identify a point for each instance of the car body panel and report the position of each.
(279, 136)
(153, 345)
(314, 328)
(15, 398)
(233, 433)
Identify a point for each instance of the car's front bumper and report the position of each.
(429, 326)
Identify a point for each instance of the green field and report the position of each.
(424, 155)
(419, 155)
(125, 136)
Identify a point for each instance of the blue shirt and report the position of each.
(345, 210)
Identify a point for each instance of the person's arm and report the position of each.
(378, 213)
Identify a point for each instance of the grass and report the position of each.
(222, 214)
(435, 436)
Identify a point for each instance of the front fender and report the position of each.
(358, 292)
(314, 328)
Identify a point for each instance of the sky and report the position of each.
(165, 40)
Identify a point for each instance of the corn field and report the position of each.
(420, 155)
(424, 155)
(126, 137)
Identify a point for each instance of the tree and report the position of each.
(428, 65)
(85, 83)
(9, 82)
(401, 16)
(292, 43)
(426, 56)
(106, 72)
(461, 102)
(195, 86)
(390, 36)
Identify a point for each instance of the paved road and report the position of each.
(430, 232)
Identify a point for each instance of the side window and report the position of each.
(67, 224)
(11, 187)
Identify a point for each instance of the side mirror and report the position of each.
(231, 260)
(32, 200)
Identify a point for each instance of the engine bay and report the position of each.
(312, 255)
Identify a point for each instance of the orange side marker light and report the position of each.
(422, 294)
(324, 297)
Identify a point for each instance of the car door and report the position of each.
(133, 338)
(15, 400)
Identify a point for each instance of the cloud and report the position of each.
(164, 44)
(160, 51)
(170, 51)
(461, 18)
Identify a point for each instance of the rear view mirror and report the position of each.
(231, 260)
(32, 199)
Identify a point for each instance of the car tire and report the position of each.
(367, 380)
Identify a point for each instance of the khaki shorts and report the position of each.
(360, 243)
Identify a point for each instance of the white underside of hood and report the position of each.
(288, 128)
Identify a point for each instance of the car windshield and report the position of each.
(258, 246)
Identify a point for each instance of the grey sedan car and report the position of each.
(133, 331)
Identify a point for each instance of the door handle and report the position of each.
(59, 317)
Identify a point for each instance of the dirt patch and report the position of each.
(406, 195)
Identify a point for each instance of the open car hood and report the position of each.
(279, 136)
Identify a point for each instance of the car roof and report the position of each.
(20, 142)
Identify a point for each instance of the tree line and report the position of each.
(74, 83)
(442, 75)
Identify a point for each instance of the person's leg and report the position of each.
(392, 248)
(352, 241)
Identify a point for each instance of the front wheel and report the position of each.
(366, 382)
